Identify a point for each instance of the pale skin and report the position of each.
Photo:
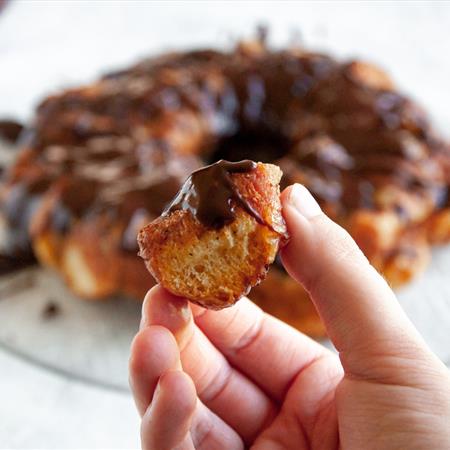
(239, 378)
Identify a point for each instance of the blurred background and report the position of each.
(63, 383)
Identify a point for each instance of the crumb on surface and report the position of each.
(51, 310)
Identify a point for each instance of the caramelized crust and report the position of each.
(214, 267)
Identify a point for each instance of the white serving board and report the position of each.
(84, 340)
(90, 341)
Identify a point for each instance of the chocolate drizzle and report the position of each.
(10, 130)
(338, 128)
(211, 196)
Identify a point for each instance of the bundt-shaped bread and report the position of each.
(102, 160)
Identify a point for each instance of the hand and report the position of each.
(238, 377)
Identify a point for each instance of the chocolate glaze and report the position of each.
(339, 128)
(10, 130)
(10, 264)
(211, 196)
(19, 206)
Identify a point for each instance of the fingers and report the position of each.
(309, 402)
(232, 396)
(155, 356)
(152, 348)
(166, 423)
(359, 309)
(210, 432)
(177, 420)
(267, 350)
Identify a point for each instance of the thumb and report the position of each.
(360, 311)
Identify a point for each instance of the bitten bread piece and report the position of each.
(218, 237)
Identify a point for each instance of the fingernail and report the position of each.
(171, 312)
(144, 319)
(301, 199)
(142, 323)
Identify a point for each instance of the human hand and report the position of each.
(237, 378)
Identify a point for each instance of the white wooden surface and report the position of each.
(63, 381)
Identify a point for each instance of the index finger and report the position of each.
(265, 349)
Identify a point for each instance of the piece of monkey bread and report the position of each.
(217, 238)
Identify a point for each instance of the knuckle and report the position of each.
(250, 335)
(216, 383)
(202, 433)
